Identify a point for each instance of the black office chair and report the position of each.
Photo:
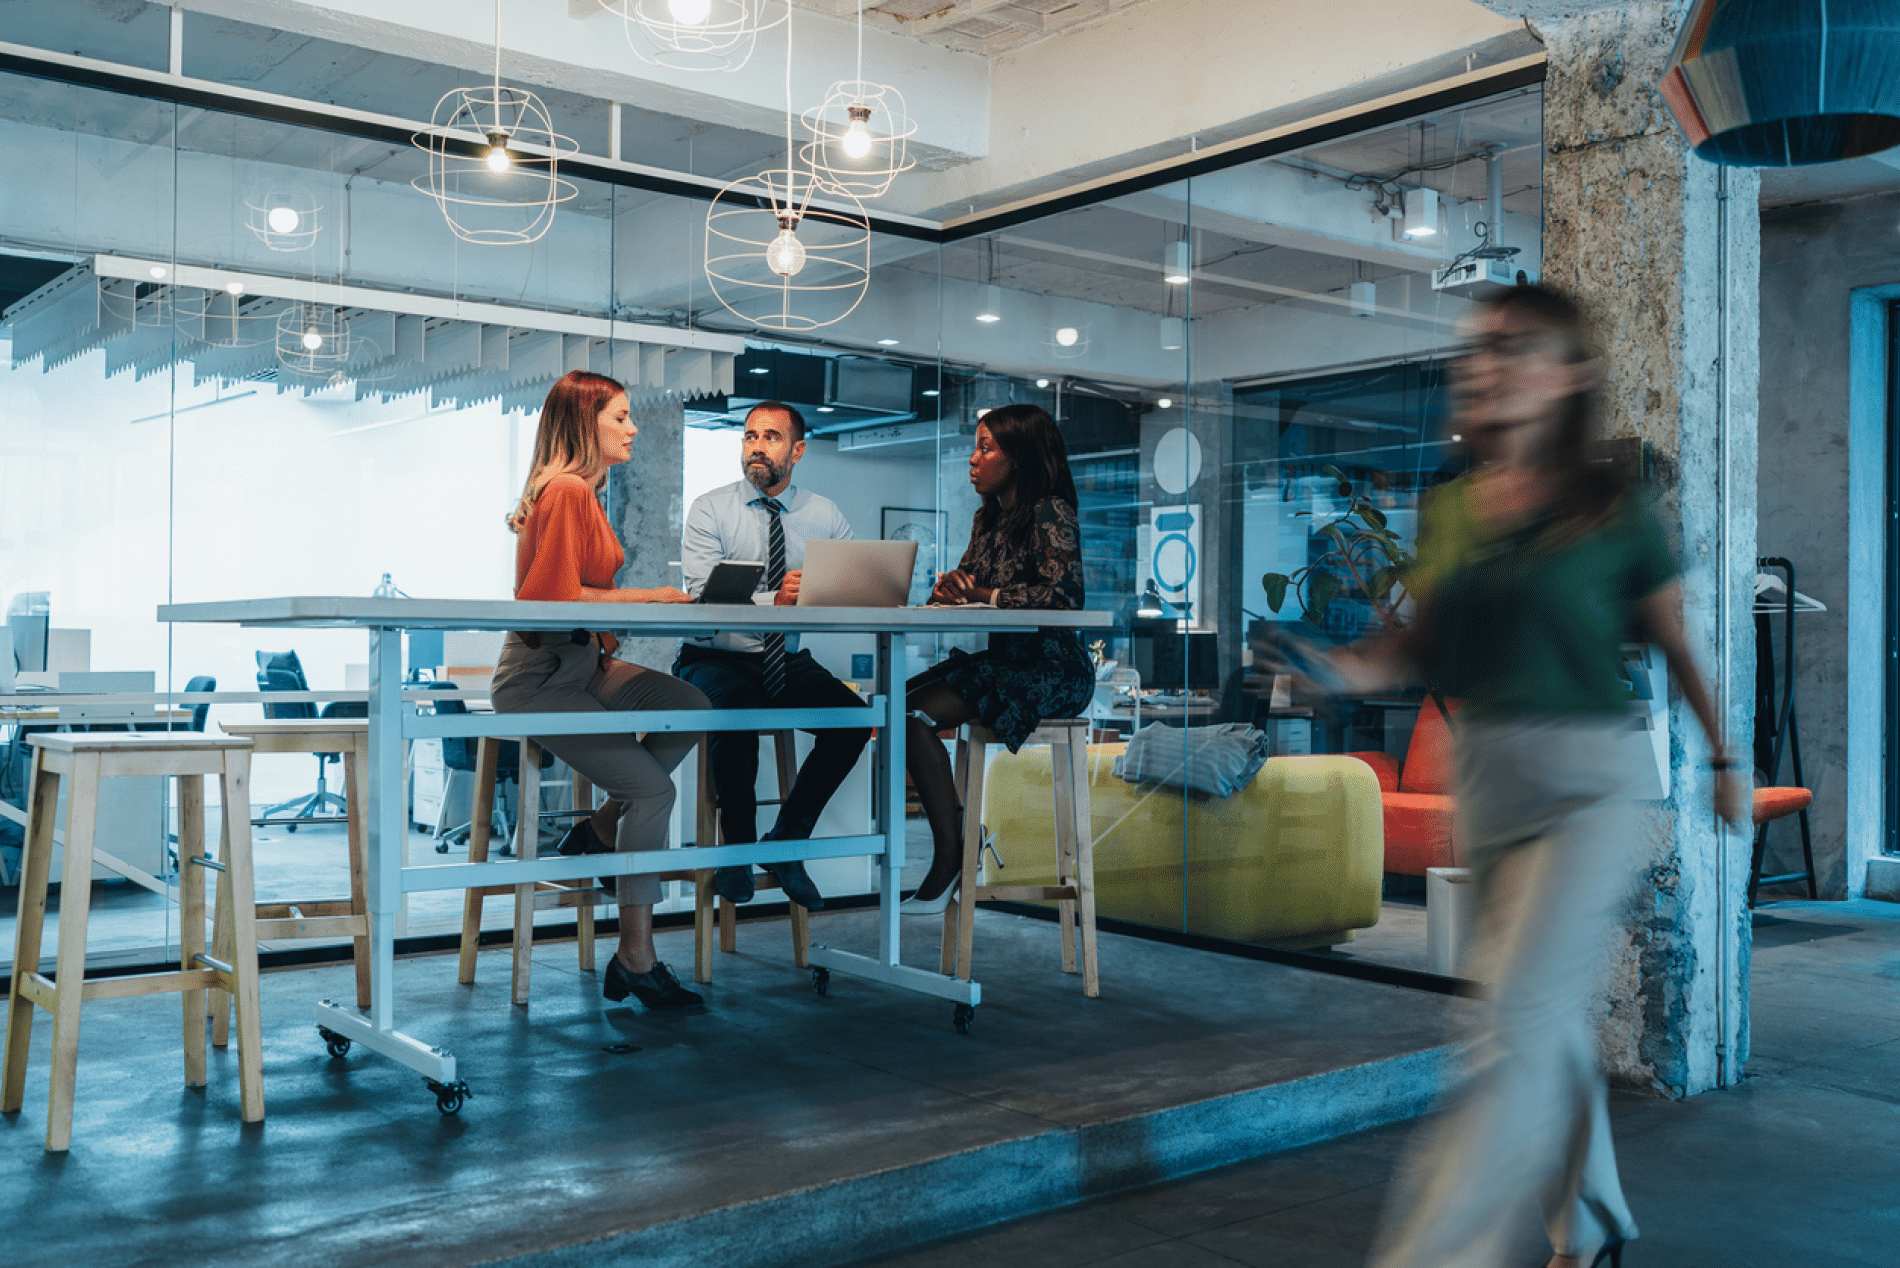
(458, 753)
(282, 671)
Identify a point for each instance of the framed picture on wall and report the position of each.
(925, 526)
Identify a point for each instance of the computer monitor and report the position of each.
(1171, 661)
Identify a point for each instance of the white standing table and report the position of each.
(391, 722)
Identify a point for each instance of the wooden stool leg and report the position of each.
(702, 925)
(481, 816)
(1084, 820)
(975, 763)
(1063, 792)
(239, 894)
(356, 784)
(728, 927)
(191, 919)
(953, 910)
(219, 1001)
(527, 848)
(785, 747)
(30, 927)
(583, 799)
(706, 833)
(75, 902)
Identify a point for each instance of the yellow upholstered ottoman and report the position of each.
(1293, 859)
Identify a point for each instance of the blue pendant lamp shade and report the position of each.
(1782, 83)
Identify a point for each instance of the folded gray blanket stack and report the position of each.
(1213, 759)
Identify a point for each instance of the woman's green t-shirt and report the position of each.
(1529, 621)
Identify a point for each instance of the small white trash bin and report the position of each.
(1451, 903)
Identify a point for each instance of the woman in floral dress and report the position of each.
(1025, 552)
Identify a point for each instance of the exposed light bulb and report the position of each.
(1166, 402)
(158, 270)
(284, 219)
(311, 339)
(785, 255)
(234, 288)
(690, 12)
(1042, 382)
(856, 141)
(498, 158)
(1067, 336)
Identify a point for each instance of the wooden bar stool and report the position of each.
(80, 761)
(785, 748)
(321, 917)
(582, 895)
(1074, 890)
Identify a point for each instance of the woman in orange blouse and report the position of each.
(566, 552)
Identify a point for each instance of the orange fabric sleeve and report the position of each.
(556, 539)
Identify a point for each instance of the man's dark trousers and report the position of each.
(736, 680)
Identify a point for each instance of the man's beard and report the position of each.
(762, 473)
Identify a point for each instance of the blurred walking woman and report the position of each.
(1025, 552)
(566, 552)
(1532, 570)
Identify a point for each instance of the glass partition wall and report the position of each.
(250, 358)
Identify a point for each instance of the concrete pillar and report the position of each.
(1663, 251)
(645, 503)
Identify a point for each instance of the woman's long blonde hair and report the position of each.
(568, 439)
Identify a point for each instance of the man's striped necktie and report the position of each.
(774, 578)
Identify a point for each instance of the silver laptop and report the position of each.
(851, 574)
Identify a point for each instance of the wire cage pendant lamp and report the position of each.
(1785, 83)
(700, 35)
(313, 339)
(284, 216)
(494, 161)
(860, 134)
(776, 255)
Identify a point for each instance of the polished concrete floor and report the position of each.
(1797, 1167)
(775, 1126)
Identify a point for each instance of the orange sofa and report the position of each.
(1417, 796)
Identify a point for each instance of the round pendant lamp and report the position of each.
(1784, 83)
(781, 261)
(494, 161)
(695, 34)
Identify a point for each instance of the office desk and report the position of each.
(390, 723)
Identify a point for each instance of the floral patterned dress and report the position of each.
(1023, 678)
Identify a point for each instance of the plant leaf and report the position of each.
(1372, 514)
(1275, 584)
(1322, 591)
(1382, 582)
(1345, 485)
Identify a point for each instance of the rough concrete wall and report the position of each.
(1631, 229)
(1813, 256)
(645, 504)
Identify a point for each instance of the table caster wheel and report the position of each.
(441, 847)
(292, 829)
(963, 1018)
(821, 979)
(337, 1045)
(449, 1096)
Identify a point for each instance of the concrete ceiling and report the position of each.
(988, 27)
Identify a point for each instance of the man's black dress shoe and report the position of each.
(656, 988)
(734, 884)
(797, 884)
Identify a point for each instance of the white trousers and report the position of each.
(1544, 823)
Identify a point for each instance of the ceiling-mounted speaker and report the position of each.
(1784, 83)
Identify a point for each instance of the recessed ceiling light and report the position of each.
(982, 413)
(1042, 382)
(158, 270)
(824, 409)
(930, 391)
(760, 369)
(1456, 438)
(234, 288)
(1067, 336)
(1166, 402)
(887, 343)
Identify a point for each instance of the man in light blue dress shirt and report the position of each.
(766, 518)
